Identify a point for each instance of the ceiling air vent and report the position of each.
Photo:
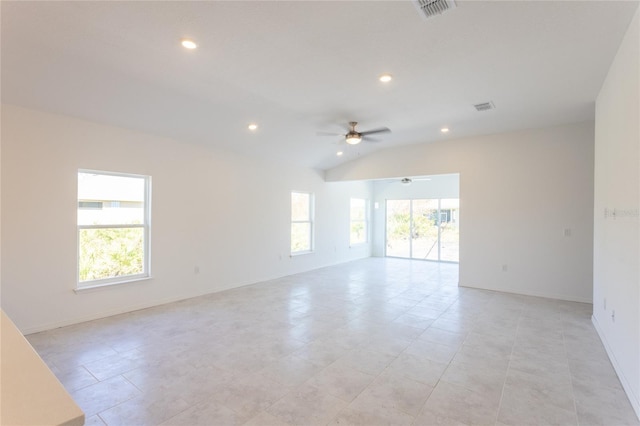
(485, 106)
(431, 8)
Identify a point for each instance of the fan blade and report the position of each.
(329, 134)
(380, 130)
(369, 139)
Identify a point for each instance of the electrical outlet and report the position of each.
(566, 232)
(505, 268)
(196, 269)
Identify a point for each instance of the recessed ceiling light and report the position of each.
(188, 43)
(252, 126)
(385, 78)
(445, 130)
(339, 153)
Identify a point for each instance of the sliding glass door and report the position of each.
(450, 229)
(424, 235)
(423, 229)
(398, 228)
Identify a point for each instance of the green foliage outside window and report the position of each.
(300, 237)
(423, 226)
(357, 232)
(110, 252)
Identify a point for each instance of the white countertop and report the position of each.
(30, 394)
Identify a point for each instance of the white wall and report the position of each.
(519, 191)
(225, 213)
(616, 275)
(440, 186)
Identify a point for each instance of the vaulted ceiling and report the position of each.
(299, 67)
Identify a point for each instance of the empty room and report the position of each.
(320, 213)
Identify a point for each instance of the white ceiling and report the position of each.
(299, 67)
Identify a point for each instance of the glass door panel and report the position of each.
(450, 230)
(398, 228)
(425, 229)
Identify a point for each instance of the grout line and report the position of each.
(506, 376)
(573, 394)
(92, 375)
(100, 417)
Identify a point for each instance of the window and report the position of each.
(359, 219)
(113, 227)
(301, 222)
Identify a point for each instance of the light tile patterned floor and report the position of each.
(376, 341)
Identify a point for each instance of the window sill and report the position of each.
(86, 288)
(301, 253)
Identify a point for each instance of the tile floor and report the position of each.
(376, 341)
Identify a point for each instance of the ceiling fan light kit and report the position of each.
(353, 137)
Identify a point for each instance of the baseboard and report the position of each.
(103, 314)
(151, 304)
(633, 398)
(533, 293)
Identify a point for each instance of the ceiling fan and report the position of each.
(407, 181)
(353, 137)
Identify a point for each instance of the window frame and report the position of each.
(365, 221)
(310, 221)
(146, 226)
